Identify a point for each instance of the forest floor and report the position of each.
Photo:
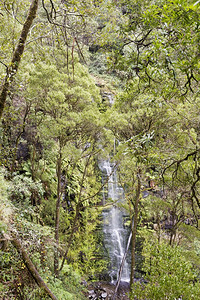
(105, 290)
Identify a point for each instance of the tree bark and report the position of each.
(12, 69)
(134, 229)
(30, 266)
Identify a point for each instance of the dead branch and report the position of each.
(31, 268)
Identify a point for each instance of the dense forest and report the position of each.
(83, 82)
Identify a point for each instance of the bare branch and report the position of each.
(4, 65)
(12, 15)
(178, 162)
(194, 195)
(49, 18)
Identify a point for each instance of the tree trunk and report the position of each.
(134, 229)
(13, 67)
(159, 228)
(57, 221)
(76, 214)
(121, 266)
(30, 266)
(70, 237)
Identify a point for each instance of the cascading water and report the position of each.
(115, 232)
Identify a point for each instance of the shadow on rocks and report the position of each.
(105, 290)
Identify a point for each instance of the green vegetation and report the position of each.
(61, 65)
(169, 275)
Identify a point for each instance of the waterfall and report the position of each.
(115, 233)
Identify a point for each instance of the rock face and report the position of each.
(104, 290)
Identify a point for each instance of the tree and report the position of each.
(64, 21)
(7, 214)
(70, 115)
(168, 274)
(11, 70)
(158, 43)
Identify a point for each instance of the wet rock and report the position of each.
(84, 282)
(104, 295)
(105, 291)
(92, 294)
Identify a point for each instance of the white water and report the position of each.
(115, 233)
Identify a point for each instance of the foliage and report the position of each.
(189, 241)
(21, 189)
(57, 123)
(37, 240)
(168, 275)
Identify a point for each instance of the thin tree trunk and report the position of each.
(134, 229)
(122, 265)
(76, 215)
(70, 237)
(13, 67)
(159, 228)
(30, 266)
(57, 221)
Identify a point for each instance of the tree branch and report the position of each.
(178, 162)
(49, 16)
(194, 185)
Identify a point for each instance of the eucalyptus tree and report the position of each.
(58, 99)
(67, 104)
(47, 24)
